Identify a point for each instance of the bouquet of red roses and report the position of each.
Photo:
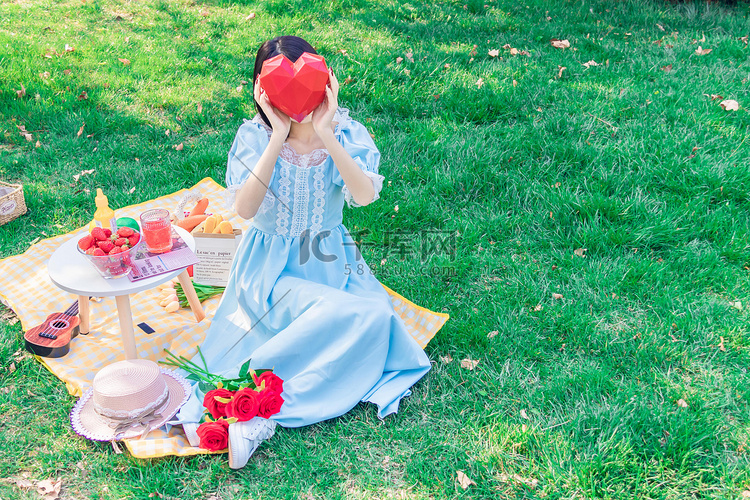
(254, 393)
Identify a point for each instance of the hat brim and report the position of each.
(88, 423)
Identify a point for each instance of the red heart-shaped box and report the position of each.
(295, 88)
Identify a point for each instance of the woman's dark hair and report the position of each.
(291, 46)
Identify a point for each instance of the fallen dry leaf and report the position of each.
(580, 252)
(730, 105)
(524, 415)
(721, 344)
(667, 68)
(126, 62)
(514, 51)
(200, 108)
(399, 60)
(446, 359)
(80, 130)
(515, 83)
(737, 305)
(507, 46)
(48, 489)
(557, 296)
(66, 72)
(25, 133)
(560, 72)
(700, 51)
(179, 147)
(591, 63)
(479, 83)
(493, 52)
(744, 39)
(524, 427)
(21, 93)
(83, 96)
(560, 44)
(531, 483)
(469, 363)
(409, 56)
(660, 27)
(23, 483)
(38, 144)
(45, 75)
(83, 172)
(464, 480)
(69, 48)
(538, 307)
(493, 333)
(250, 16)
(682, 403)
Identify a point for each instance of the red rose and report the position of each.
(269, 403)
(244, 405)
(217, 408)
(214, 435)
(272, 381)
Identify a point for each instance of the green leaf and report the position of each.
(205, 387)
(244, 369)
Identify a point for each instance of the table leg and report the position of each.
(126, 326)
(192, 297)
(83, 314)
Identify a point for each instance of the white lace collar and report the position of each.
(342, 119)
(316, 156)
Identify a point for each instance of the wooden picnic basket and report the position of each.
(12, 204)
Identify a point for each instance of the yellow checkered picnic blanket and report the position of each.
(27, 289)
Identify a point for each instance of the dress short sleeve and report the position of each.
(359, 144)
(249, 143)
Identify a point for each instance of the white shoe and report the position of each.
(191, 433)
(245, 437)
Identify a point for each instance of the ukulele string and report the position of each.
(47, 332)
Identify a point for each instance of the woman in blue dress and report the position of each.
(300, 298)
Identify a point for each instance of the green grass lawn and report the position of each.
(600, 217)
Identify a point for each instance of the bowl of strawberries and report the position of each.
(110, 253)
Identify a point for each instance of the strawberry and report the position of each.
(98, 252)
(91, 250)
(107, 232)
(99, 234)
(125, 231)
(116, 250)
(106, 246)
(134, 239)
(120, 242)
(86, 242)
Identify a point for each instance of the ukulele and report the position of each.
(52, 338)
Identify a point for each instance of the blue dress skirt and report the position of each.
(300, 297)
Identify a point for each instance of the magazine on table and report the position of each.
(145, 264)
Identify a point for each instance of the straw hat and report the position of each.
(128, 399)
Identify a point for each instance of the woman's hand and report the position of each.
(280, 123)
(322, 116)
